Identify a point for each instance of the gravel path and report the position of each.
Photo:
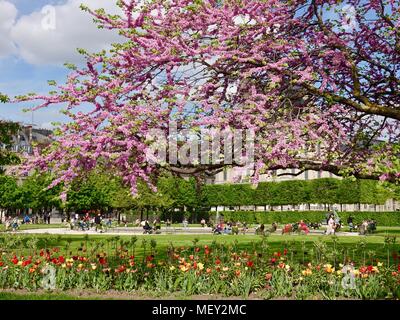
(139, 231)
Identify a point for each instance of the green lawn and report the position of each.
(37, 296)
(366, 247)
(36, 226)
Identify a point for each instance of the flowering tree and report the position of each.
(318, 85)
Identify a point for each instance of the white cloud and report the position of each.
(73, 28)
(8, 13)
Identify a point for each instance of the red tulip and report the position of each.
(250, 264)
(26, 262)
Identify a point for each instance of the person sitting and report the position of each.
(15, 224)
(109, 223)
(8, 223)
(303, 227)
(244, 228)
(203, 222)
(351, 223)
(82, 224)
(227, 229)
(219, 228)
(260, 229)
(26, 220)
(157, 225)
(147, 228)
(235, 229)
(274, 226)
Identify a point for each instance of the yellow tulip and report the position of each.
(200, 266)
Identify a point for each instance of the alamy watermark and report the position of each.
(49, 21)
(202, 146)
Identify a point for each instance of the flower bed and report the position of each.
(201, 269)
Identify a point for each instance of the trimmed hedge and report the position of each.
(292, 192)
(383, 218)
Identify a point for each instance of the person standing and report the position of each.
(185, 223)
(350, 223)
(331, 225)
(48, 217)
(97, 221)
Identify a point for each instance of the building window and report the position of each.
(225, 174)
(319, 174)
(306, 175)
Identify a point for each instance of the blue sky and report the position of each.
(31, 54)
